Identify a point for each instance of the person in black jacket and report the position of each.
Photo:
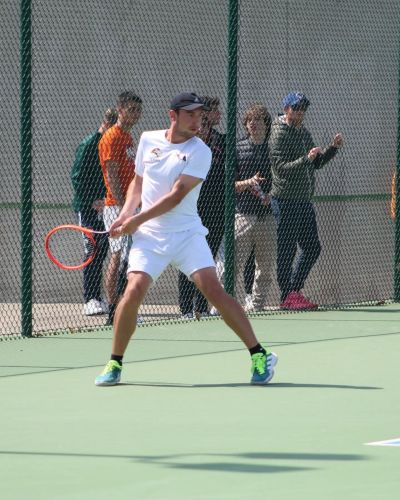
(88, 203)
(254, 224)
(210, 205)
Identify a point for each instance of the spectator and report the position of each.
(210, 205)
(254, 224)
(294, 159)
(171, 164)
(116, 151)
(88, 203)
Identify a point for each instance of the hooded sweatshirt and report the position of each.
(293, 174)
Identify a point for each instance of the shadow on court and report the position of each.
(234, 464)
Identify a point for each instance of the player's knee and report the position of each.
(212, 290)
(134, 292)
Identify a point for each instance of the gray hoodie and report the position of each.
(293, 174)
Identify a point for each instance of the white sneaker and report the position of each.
(198, 315)
(92, 308)
(248, 304)
(214, 312)
(187, 316)
(104, 306)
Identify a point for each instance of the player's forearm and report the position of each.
(162, 206)
(130, 206)
(167, 202)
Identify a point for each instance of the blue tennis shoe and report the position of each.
(111, 374)
(262, 367)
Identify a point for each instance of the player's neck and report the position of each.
(175, 137)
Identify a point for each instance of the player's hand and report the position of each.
(115, 228)
(129, 226)
(337, 141)
(313, 153)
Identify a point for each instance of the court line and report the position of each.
(246, 455)
(276, 385)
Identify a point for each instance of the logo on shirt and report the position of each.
(155, 152)
(181, 156)
(154, 156)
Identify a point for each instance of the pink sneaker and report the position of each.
(308, 303)
(296, 301)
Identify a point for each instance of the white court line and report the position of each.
(387, 442)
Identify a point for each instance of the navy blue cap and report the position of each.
(296, 100)
(188, 101)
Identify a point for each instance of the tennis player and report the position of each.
(170, 167)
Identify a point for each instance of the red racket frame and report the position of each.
(86, 231)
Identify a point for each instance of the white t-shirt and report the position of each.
(160, 163)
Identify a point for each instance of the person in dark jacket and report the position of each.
(295, 158)
(88, 203)
(210, 205)
(254, 223)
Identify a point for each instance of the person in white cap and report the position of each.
(170, 167)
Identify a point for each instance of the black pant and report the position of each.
(92, 274)
(190, 298)
(296, 228)
(249, 272)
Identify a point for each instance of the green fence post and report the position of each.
(26, 167)
(231, 147)
(397, 206)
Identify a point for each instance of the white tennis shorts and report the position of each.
(187, 251)
(109, 215)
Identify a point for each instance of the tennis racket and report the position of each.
(63, 246)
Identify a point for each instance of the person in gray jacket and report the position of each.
(294, 160)
(254, 223)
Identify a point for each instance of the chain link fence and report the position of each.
(342, 55)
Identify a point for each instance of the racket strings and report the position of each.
(71, 247)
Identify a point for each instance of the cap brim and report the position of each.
(191, 107)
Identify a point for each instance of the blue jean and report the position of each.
(92, 274)
(296, 230)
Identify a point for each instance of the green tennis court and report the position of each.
(185, 424)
